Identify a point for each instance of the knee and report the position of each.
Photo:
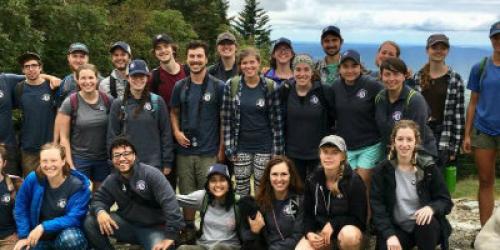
(90, 223)
(350, 237)
(486, 181)
(71, 238)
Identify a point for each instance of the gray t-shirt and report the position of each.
(105, 84)
(219, 225)
(88, 131)
(407, 201)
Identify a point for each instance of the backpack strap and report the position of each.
(18, 91)
(379, 97)
(482, 71)
(106, 101)
(154, 103)
(13, 184)
(155, 80)
(408, 99)
(112, 86)
(269, 84)
(123, 116)
(203, 210)
(73, 100)
(234, 85)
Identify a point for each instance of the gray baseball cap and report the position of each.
(78, 47)
(334, 140)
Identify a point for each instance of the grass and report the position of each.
(467, 188)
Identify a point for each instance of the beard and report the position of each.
(336, 52)
(197, 71)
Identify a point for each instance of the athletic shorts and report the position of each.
(484, 141)
(366, 157)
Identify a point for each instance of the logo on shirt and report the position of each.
(361, 93)
(124, 188)
(290, 209)
(61, 203)
(140, 185)
(207, 97)
(45, 97)
(314, 100)
(5, 199)
(260, 103)
(147, 106)
(101, 108)
(396, 116)
(1, 94)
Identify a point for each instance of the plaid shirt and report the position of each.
(454, 112)
(231, 117)
(322, 69)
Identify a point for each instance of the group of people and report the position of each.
(137, 135)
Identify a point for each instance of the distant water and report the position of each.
(460, 58)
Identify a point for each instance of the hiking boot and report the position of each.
(188, 236)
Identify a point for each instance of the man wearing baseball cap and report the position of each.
(225, 67)
(115, 83)
(331, 41)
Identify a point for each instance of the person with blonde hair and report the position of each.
(409, 198)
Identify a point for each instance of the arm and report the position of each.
(469, 120)
(167, 145)
(75, 212)
(380, 213)
(103, 198)
(193, 200)
(298, 231)
(357, 206)
(180, 137)
(22, 208)
(226, 116)
(309, 205)
(55, 82)
(65, 126)
(220, 153)
(459, 119)
(114, 126)
(277, 123)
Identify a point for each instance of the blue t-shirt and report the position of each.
(7, 223)
(487, 115)
(199, 114)
(7, 94)
(38, 116)
(255, 129)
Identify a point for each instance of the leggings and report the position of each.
(244, 165)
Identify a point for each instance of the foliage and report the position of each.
(252, 24)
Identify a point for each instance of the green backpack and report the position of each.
(381, 97)
(235, 84)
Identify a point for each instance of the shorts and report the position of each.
(366, 157)
(484, 141)
(192, 171)
(96, 170)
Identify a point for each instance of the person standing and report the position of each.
(225, 67)
(115, 83)
(331, 41)
(282, 55)
(195, 116)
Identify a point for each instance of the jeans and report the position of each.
(146, 236)
(96, 170)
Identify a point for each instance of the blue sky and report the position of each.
(466, 22)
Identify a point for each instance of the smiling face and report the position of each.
(51, 163)
(123, 158)
(303, 74)
(349, 70)
(283, 54)
(218, 186)
(331, 44)
(226, 49)
(437, 52)
(331, 157)
(495, 43)
(279, 177)
(393, 80)
(77, 59)
(120, 59)
(32, 69)
(164, 52)
(387, 50)
(405, 142)
(249, 66)
(137, 82)
(87, 80)
(197, 60)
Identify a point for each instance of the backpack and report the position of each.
(154, 99)
(204, 207)
(482, 71)
(112, 86)
(235, 84)
(381, 97)
(73, 100)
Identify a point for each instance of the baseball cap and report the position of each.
(331, 29)
(226, 36)
(334, 140)
(438, 38)
(138, 67)
(218, 168)
(350, 54)
(121, 45)
(162, 38)
(495, 29)
(28, 56)
(74, 47)
(282, 40)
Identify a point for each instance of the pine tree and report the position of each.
(252, 24)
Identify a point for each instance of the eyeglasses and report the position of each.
(125, 154)
(31, 66)
(283, 50)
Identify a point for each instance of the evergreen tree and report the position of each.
(252, 24)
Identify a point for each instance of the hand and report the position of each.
(257, 224)
(106, 224)
(393, 243)
(181, 138)
(453, 157)
(466, 145)
(55, 82)
(327, 232)
(317, 241)
(424, 216)
(221, 156)
(163, 245)
(21, 244)
(166, 170)
(35, 235)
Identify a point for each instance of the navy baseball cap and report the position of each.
(138, 67)
(75, 47)
(350, 54)
(162, 38)
(121, 45)
(28, 56)
(495, 29)
(218, 168)
(282, 40)
(331, 29)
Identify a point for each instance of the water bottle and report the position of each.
(450, 176)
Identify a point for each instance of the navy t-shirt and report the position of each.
(55, 200)
(7, 91)
(201, 124)
(255, 129)
(38, 116)
(7, 223)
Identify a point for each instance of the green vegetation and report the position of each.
(467, 188)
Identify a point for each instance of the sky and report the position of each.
(465, 22)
